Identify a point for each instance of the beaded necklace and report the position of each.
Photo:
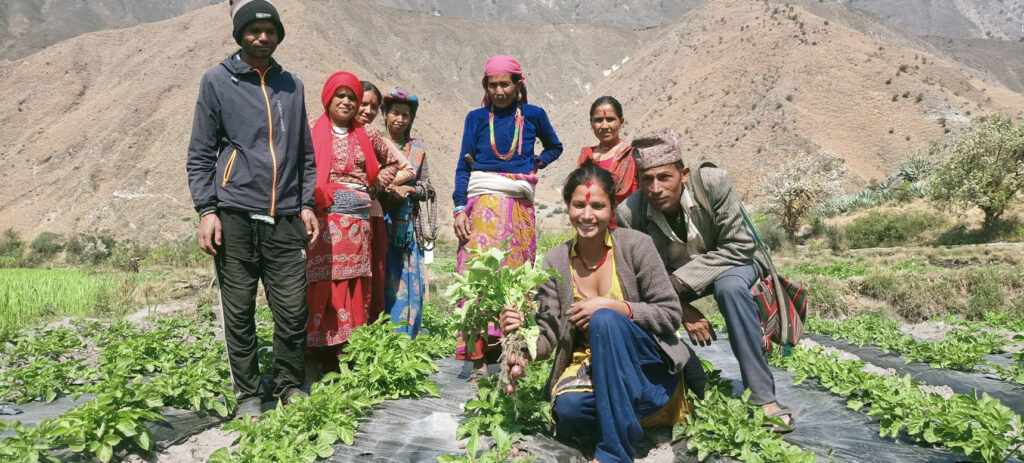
(515, 136)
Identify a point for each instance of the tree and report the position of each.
(800, 183)
(983, 168)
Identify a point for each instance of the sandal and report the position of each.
(477, 375)
(251, 407)
(784, 428)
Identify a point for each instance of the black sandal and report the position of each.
(784, 428)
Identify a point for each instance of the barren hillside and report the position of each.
(631, 14)
(960, 19)
(27, 26)
(96, 127)
(748, 83)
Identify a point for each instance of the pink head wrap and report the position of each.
(502, 64)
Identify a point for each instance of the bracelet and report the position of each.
(630, 309)
(458, 210)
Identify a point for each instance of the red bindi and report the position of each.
(588, 185)
(604, 112)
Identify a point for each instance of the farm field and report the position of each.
(913, 354)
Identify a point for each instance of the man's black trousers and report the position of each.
(252, 250)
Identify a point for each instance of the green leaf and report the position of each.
(105, 454)
(324, 450)
(145, 440)
(431, 388)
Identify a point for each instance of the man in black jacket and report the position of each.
(251, 173)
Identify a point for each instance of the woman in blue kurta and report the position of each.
(403, 297)
(496, 177)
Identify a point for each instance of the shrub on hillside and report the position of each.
(887, 229)
(47, 244)
(770, 231)
(10, 245)
(836, 239)
(801, 183)
(983, 168)
(181, 254)
(90, 250)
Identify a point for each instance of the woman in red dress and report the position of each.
(353, 164)
(611, 153)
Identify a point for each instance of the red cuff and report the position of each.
(630, 309)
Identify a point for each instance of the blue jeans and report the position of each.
(631, 381)
(732, 293)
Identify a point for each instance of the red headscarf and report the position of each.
(502, 64)
(323, 138)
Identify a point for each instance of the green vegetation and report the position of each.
(960, 350)
(183, 362)
(981, 428)
(485, 288)
(840, 269)
(983, 168)
(30, 295)
(889, 229)
(733, 427)
(308, 427)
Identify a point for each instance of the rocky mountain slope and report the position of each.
(96, 127)
(747, 83)
(27, 26)
(959, 19)
(631, 14)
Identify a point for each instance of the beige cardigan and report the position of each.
(645, 285)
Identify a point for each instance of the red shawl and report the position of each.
(622, 168)
(323, 139)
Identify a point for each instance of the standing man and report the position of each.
(704, 252)
(251, 172)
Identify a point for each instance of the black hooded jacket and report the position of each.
(251, 148)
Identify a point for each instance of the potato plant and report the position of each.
(483, 290)
(981, 428)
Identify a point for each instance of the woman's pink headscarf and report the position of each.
(502, 64)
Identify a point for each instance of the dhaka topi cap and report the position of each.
(656, 149)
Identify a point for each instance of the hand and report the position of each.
(402, 191)
(209, 233)
(580, 312)
(510, 319)
(462, 226)
(698, 326)
(312, 225)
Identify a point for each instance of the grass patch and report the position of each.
(30, 296)
(969, 292)
(840, 269)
